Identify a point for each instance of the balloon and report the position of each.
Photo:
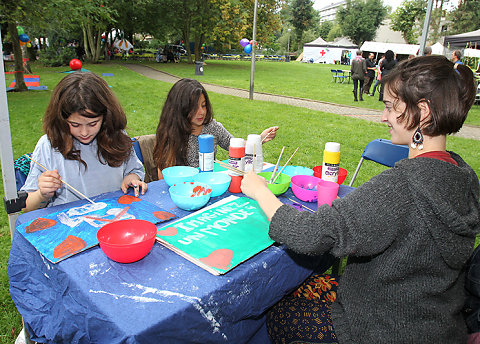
(251, 42)
(243, 42)
(29, 45)
(23, 37)
(247, 49)
(75, 64)
(21, 43)
(20, 30)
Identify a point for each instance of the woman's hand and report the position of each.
(253, 183)
(132, 180)
(256, 188)
(269, 134)
(48, 183)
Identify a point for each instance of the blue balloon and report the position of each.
(23, 37)
(247, 49)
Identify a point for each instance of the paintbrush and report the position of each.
(276, 166)
(285, 165)
(303, 206)
(64, 182)
(228, 167)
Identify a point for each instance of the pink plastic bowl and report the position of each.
(342, 173)
(127, 241)
(305, 187)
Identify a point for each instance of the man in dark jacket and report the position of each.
(371, 68)
(358, 71)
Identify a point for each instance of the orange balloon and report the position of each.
(21, 43)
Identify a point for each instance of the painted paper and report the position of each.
(62, 234)
(221, 236)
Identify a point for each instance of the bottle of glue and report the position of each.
(236, 158)
(253, 153)
(331, 161)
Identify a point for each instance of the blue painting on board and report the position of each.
(62, 234)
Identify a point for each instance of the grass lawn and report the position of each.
(312, 81)
(143, 98)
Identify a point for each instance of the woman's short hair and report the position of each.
(448, 90)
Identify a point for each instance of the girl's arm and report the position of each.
(48, 183)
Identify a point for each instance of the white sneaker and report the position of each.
(21, 337)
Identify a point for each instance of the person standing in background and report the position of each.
(371, 68)
(358, 71)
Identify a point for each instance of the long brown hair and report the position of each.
(77, 93)
(174, 127)
(449, 90)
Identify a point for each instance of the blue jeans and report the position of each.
(375, 86)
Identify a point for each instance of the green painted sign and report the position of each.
(221, 236)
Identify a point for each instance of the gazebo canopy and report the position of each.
(465, 40)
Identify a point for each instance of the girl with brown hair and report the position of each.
(186, 114)
(85, 144)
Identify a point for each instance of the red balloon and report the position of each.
(75, 64)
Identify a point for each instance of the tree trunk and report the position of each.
(17, 52)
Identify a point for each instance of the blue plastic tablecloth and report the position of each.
(162, 298)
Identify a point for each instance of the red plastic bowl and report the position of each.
(127, 241)
(342, 173)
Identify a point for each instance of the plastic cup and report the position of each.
(326, 192)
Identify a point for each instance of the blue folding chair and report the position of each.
(383, 152)
(334, 75)
(341, 75)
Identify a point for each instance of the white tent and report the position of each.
(319, 51)
(438, 49)
(397, 48)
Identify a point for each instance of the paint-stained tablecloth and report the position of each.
(162, 298)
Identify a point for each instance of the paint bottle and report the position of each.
(205, 152)
(236, 158)
(331, 161)
(253, 153)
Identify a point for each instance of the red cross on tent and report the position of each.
(323, 52)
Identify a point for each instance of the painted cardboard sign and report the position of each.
(61, 234)
(221, 236)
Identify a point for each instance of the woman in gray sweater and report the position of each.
(408, 231)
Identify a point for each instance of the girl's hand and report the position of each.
(269, 134)
(132, 180)
(48, 183)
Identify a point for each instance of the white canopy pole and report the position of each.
(426, 25)
(6, 153)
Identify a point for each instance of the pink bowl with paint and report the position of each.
(305, 187)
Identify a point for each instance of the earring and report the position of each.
(417, 139)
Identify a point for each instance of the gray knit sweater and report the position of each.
(408, 233)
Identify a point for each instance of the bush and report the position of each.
(55, 56)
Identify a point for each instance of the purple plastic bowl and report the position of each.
(305, 187)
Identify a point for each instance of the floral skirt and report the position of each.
(303, 317)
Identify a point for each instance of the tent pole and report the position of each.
(6, 153)
(426, 25)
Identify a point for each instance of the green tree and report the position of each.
(324, 29)
(466, 17)
(360, 19)
(407, 18)
(302, 15)
(335, 31)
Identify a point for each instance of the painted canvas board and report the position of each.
(221, 236)
(62, 234)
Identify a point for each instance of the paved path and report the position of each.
(471, 132)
